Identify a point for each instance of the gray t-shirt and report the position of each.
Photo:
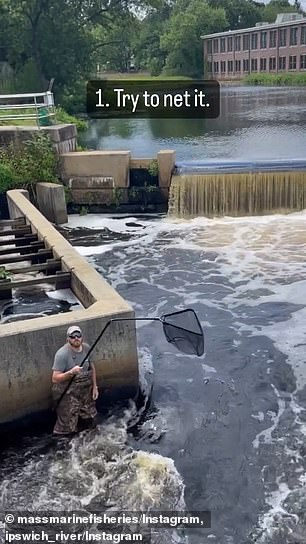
(65, 358)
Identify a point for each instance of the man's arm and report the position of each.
(60, 365)
(58, 376)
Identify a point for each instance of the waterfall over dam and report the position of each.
(237, 188)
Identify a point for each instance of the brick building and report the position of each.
(277, 47)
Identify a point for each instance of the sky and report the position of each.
(303, 3)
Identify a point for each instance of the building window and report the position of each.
(223, 66)
(245, 65)
(263, 40)
(222, 45)
(263, 65)
(254, 41)
(216, 46)
(283, 37)
(303, 35)
(282, 63)
(209, 46)
(237, 66)
(216, 67)
(229, 65)
(254, 65)
(230, 44)
(209, 67)
(246, 42)
(237, 43)
(293, 36)
(292, 62)
(303, 62)
(273, 38)
(272, 64)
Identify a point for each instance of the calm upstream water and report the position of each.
(255, 123)
(225, 432)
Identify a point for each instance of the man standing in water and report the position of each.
(79, 400)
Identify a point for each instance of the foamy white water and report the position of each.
(250, 266)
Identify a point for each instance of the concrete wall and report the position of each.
(51, 202)
(93, 175)
(28, 347)
(88, 164)
(63, 137)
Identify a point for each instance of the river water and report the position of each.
(225, 432)
(255, 123)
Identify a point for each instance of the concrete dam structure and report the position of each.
(203, 188)
(113, 181)
(237, 188)
(28, 346)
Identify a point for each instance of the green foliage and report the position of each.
(84, 210)
(134, 192)
(182, 37)
(62, 116)
(115, 43)
(149, 188)
(72, 97)
(283, 79)
(117, 196)
(23, 166)
(5, 274)
(68, 195)
(60, 38)
(28, 78)
(80, 147)
(153, 168)
(155, 66)
(67, 40)
(147, 50)
(274, 7)
(7, 177)
(239, 13)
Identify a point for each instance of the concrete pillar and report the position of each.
(166, 164)
(51, 202)
(63, 137)
(14, 211)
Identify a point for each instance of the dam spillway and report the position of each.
(237, 188)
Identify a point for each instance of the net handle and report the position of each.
(114, 320)
(161, 319)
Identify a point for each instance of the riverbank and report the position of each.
(280, 80)
(61, 117)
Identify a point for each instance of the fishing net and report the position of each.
(184, 331)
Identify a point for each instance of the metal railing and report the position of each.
(37, 106)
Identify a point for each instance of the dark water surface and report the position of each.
(233, 422)
(255, 123)
(226, 432)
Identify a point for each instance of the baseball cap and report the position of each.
(73, 329)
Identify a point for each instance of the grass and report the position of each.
(138, 76)
(283, 79)
(61, 116)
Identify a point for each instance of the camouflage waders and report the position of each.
(77, 402)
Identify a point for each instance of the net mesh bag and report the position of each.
(184, 331)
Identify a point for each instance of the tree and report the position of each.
(148, 51)
(240, 13)
(114, 47)
(275, 7)
(298, 6)
(182, 37)
(58, 36)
